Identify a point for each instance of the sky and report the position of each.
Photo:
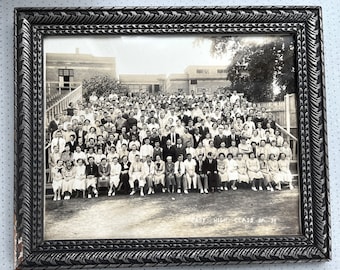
(142, 54)
(156, 54)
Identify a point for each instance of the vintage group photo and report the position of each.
(171, 137)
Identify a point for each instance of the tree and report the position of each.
(257, 64)
(103, 86)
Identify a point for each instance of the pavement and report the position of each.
(229, 213)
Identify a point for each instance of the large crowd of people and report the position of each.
(165, 143)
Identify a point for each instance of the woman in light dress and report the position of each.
(245, 148)
(286, 150)
(265, 171)
(57, 173)
(242, 169)
(211, 149)
(285, 171)
(254, 172)
(115, 171)
(159, 177)
(200, 150)
(232, 171)
(112, 154)
(274, 171)
(79, 184)
(222, 169)
(69, 174)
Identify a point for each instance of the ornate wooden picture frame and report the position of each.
(303, 24)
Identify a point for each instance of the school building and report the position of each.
(66, 71)
(198, 80)
(147, 83)
(194, 80)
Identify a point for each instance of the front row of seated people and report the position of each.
(201, 175)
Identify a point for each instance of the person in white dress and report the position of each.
(99, 156)
(69, 173)
(190, 174)
(57, 179)
(254, 172)
(222, 169)
(274, 171)
(232, 171)
(242, 169)
(112, 154)
(115, 172)
(146, 149)
(286, 150)
(78, 154)
(148, 170)
(159, 177)
(265, 171)
(285, 171)
(79, 184)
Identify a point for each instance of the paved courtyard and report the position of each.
(229, 213)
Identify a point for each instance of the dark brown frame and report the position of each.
(32, 25)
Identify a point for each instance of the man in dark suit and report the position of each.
(80, 132)
(233, 137)
(204, 130)
(169, 150)
(72, 143)
(191, 128)
(180, 149)
(197, 137)
(154, 137)
(184, 118)
(131, 121)
(172, 136)
(219, 138)
(210, 167)
(53, 125)
(258, 118)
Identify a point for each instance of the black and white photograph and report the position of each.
(171, 136)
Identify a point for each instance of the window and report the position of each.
(221, 71)
(202, 71)
(193, 81)
(66, 72)
(65, 78)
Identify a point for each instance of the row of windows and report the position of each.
(66, 72)
(206, 71)
(70, 72)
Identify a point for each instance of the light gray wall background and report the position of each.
(331, 25)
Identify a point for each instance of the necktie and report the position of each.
(179, 167)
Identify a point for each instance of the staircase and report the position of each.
(55, 98)
(57, 102)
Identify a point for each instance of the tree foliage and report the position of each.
(103, 86)
(257, 64)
